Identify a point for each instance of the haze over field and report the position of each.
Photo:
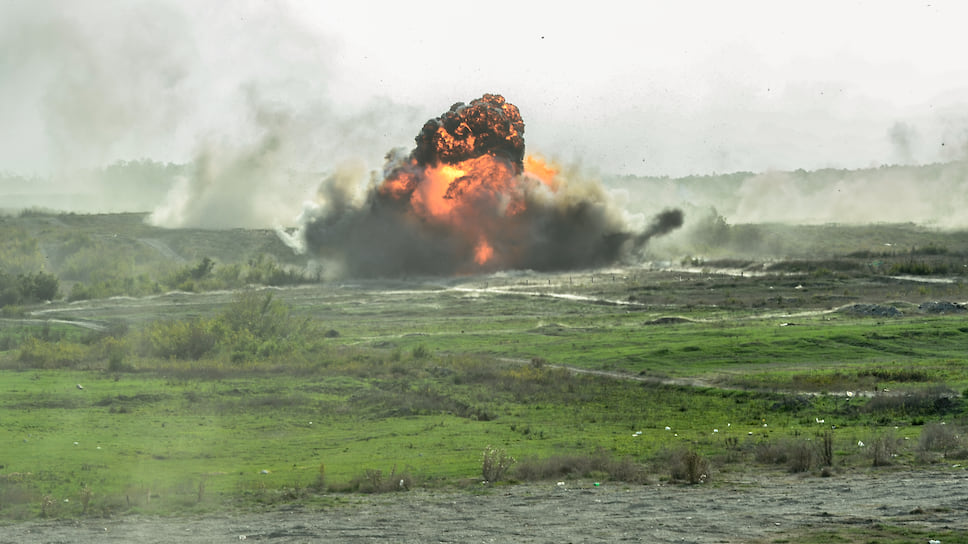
(254, 104)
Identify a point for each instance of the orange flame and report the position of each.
(469, 197)
(483, 252)
(537, 167)
(431, 196)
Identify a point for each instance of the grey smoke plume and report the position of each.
(930, 194)
(85, 83)
(903, 136)
(237, 184)
(240, 92)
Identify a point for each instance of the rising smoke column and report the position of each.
(467, 199)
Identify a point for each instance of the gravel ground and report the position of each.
(741, 508)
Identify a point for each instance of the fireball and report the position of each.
(467, 199)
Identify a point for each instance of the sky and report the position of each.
(640, 88)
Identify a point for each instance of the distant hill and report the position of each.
(98, 255)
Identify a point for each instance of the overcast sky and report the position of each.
(659, 88)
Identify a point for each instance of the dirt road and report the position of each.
(740, 508)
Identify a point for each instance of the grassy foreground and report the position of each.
(259, 398)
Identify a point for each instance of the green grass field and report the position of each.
(196, 402)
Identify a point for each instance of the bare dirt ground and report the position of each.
(738, 508)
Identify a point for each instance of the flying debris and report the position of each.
(468, 199)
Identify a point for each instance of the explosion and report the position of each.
(467, 199)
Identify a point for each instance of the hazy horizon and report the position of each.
(256, 92)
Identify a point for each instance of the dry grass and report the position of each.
(799, 455)
(600, 464)
(686, 465)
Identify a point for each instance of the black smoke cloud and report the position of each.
(488, 125)
(569, 222)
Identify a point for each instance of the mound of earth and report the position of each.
(942, 307)
(668, 321)
(872, 310)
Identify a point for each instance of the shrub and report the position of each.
(688, 466)
(801, 456)
(179, 339)
(257, 314)
(797, 455)
(375, 481)
(939, 437)
(36, 353)
(495, 464)
(420, 352)
(883, 449)
(116, 350)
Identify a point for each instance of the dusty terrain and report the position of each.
(736, 508)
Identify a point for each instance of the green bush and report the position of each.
(37, 353)
(190, 339)
(258, 315)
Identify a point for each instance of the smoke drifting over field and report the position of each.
(931, 195)
(239, 95)
(468, 199)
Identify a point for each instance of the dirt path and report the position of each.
(91, 325)
(738, 509)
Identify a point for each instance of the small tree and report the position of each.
(39, 286)
(203, 269)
